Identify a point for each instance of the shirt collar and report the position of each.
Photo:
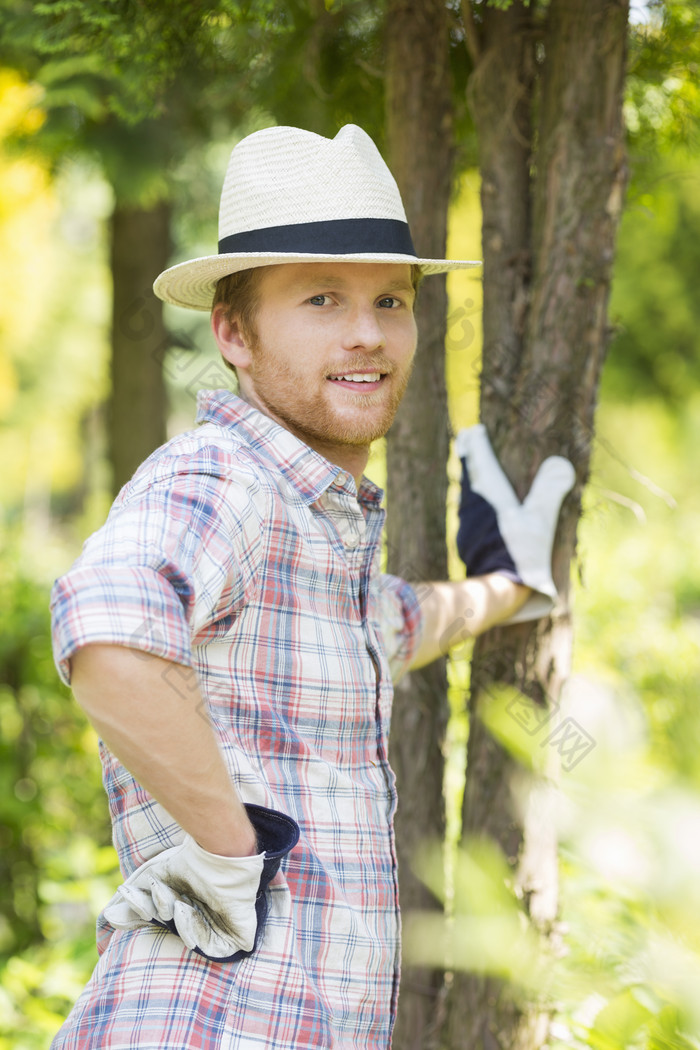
(306, 470)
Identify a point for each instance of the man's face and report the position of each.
(332, 350)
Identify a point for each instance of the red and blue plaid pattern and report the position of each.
(240, 551)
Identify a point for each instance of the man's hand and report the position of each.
(209, 889)
(499, 534)
(216, 905)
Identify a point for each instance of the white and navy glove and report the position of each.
(498, 533)
(216, 905)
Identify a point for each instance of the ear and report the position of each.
(229, 337)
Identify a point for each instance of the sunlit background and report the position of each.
(628, 803)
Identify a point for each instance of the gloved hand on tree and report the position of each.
(498, 533)
(217, 905)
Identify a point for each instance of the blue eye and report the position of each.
(318, 300)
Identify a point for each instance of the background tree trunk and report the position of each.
(419, 152)
(137, 408)
(550, 216)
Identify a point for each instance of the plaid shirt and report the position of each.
(240, 551)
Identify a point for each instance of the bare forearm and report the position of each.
(151, 715)
(454, 611)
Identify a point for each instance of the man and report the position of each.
(230, 636)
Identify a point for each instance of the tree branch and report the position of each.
(471, 31)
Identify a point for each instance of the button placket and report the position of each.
(346, 514)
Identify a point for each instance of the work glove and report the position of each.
(498, 533)
(216, 905)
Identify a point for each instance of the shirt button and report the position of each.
(352, 540)
(340, 479)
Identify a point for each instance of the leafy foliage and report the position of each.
(53, 819)
(193, 66)
(53, 308)
(663, 99)
(38, 988)
(138, 85)
(654, 305)
(628, 812)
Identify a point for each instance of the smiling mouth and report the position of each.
(359, 378)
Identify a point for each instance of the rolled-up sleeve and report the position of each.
(176, 555)
(400, 619)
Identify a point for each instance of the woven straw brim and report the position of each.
(192, 284)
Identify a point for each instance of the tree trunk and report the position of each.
(419, 148)
(550, 215)
(137, 408)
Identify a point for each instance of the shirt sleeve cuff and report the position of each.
(413, 618)
(118, 605)
(401, 620)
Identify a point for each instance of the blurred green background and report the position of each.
(628, 809)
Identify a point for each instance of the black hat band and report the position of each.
(330, 237)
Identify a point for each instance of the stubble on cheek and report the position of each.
(297, 404)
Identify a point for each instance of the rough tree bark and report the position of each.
(419, 152)
(551, 199)
(137, 408)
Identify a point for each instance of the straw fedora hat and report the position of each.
(293, 196)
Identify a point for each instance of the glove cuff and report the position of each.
(536, 607)
(277, 835)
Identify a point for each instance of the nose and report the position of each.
(363, 330)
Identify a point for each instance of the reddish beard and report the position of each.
(309, 416)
